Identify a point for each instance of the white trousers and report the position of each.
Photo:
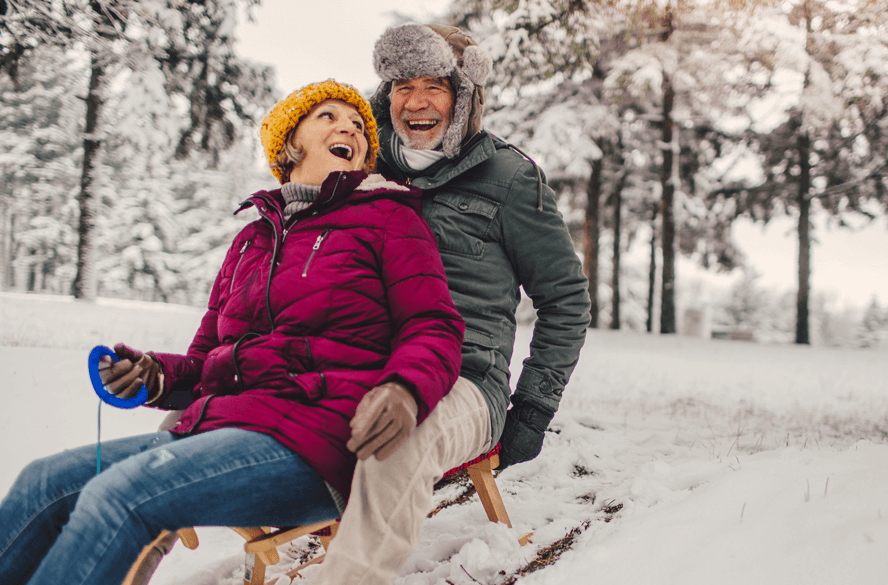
(390, 499)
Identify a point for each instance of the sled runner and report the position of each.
(262, 541)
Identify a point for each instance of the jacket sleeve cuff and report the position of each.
(161, 383)
(538, 388)
(180, 374)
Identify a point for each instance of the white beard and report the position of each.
(419, 140)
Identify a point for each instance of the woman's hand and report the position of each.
(134, 368)
(383, 421)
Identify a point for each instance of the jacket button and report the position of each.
(544, 385)
(463, 206)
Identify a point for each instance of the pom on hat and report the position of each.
(287, 113)
(477, 64)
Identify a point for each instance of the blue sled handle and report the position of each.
(94, 356)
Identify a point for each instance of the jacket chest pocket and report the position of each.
(249, 269)
(461, 222)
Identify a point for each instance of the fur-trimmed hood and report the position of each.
(414, 50)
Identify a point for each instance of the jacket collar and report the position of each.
(336, 189)
(477, 150)
(336, 186)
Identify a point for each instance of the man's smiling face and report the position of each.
(421, 109)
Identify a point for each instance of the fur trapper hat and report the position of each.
(288, 112)
(411, 51)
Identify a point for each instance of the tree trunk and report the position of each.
(804, 201)
(652, 272)
(667, 180)
(802, 300)
(6, 224)
(618, 225)
(591, 234)
(84, 286)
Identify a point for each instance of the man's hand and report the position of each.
(523, 435)
(134, 368)
(384, 419)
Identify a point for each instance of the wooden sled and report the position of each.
(262, 542)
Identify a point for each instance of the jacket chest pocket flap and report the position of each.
(461, 223)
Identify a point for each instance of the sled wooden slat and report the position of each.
(143, 569)
(270, 541)
(482, 476)
(188, 537)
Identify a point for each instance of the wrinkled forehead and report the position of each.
(424, 81)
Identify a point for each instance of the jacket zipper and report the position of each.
(314, 250)
(236, 266)
(277, 241)
(308, 351)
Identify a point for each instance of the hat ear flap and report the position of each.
(460, 117)
(380, 102)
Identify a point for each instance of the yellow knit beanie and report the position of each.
(287, 113)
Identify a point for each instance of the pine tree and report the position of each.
(673, 79)
(193, 43)
(827, 146)
(873, 330)
(39, 159)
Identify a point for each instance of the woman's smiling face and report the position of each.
(332, 139)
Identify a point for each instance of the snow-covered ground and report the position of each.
(733, 462)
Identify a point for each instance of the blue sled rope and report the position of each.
(138, 400)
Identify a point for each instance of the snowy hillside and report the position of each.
(672, 460)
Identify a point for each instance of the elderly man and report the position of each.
(498, 229)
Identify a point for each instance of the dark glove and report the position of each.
(384, 419)
(125, 377)
(522, 437)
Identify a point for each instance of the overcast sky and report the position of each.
(312, 40)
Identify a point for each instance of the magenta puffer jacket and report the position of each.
(306, 317)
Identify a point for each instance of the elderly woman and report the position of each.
(334, 298)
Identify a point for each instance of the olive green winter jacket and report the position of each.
(498, 229)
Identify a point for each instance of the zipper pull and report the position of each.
(318, 241)
(244, 247)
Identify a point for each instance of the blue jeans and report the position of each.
(62, 523)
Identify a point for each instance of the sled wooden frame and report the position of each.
(262, 542)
